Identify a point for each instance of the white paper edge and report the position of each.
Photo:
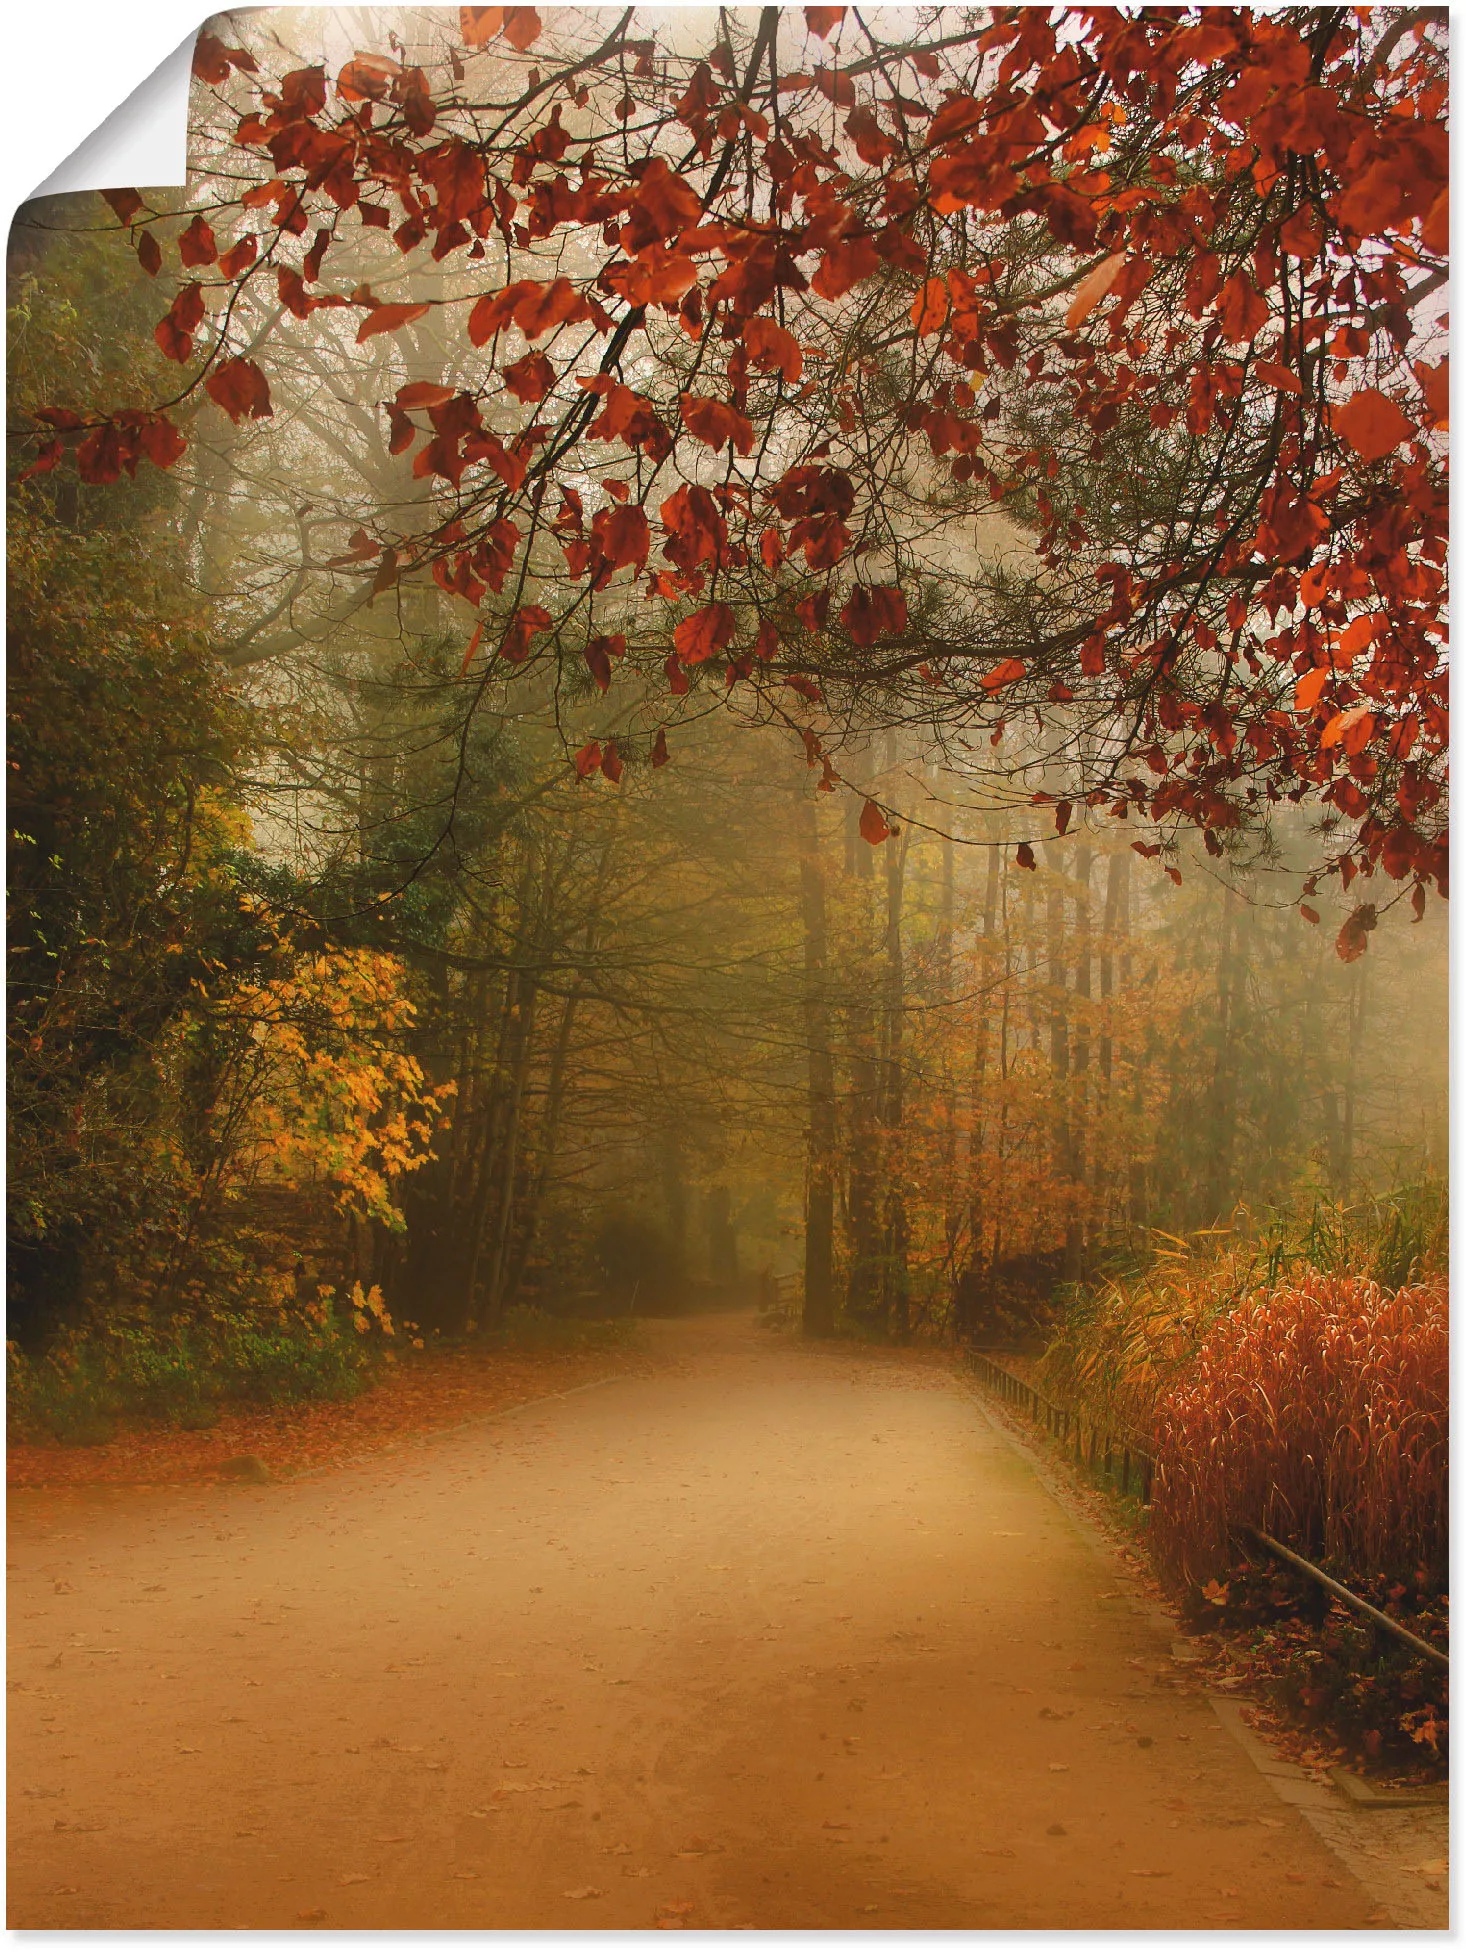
(142, 143)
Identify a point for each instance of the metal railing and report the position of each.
(1107, 1444)
(1382, 1621)
(1119, 1453)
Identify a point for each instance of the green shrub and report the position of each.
(79, 1391)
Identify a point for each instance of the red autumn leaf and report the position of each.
(822, 20)
(492, 313)
(835, 87)
(479, 25)
(388, 318)
(668, 201)
(174, 333)
(1023, 854)
(660, 755)
(845, 265)
(1092, 288)
(806, 688)
(588, 759)
(611, 766)
(1277, 376)
(873, 827)
(161, 441)
(125, 203)
(656, 276)
(196, 245)
(622, 536)
(212, 61)
(239, 257)
(1007, 673)
(1310, 688)
(599, 655)
(240, 388)
(367, 78)
(704, 633)
(47, 455)
(1372, 424)
(1241, 309)
(1353, 937)
(423, 393)
(930, 306)
(545, 306)
(872, 144)
(696, 530)
(873, 612)
(473, 644)
(530, 379)
(1352, 729)
(103, 455)
(716, 423)
(149, 255)
(522, 27)
(770, 346)
(528, 621)
(456, 172)
(1435, 385)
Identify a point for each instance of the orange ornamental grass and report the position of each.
(1317, 1412)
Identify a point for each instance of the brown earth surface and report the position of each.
(418, 1394)
(774, 1636)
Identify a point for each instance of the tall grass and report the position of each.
(1318, 1412)
(1121, 1342)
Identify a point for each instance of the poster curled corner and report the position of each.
(144, 141)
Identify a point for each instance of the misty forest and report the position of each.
(758, 697)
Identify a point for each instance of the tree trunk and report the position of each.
(896, 1296)
(819, 1198)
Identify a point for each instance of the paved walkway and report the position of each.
(783, 1636)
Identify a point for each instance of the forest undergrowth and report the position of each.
(303, 1398)
(1293, 1377)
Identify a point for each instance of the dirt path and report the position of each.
(779, 1637)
